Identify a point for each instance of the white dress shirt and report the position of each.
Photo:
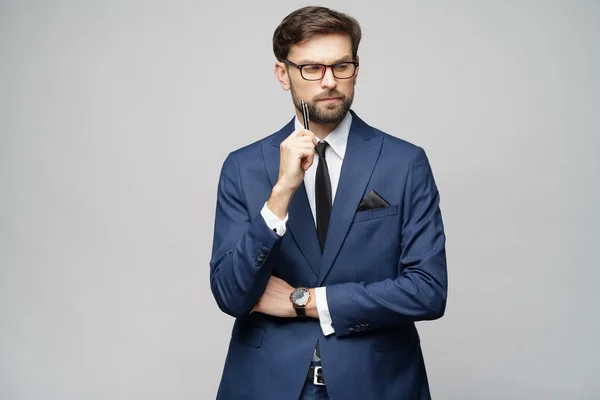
(334, 154)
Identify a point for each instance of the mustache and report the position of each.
(328, 95)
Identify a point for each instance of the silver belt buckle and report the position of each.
(318, 377)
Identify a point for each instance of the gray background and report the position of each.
(115, 118)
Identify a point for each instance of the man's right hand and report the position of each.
(297, 153)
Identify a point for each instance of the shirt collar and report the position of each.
(337, 138)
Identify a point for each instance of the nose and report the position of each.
(328, 81)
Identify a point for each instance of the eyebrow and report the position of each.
(339, 60)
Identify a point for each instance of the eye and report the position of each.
(312, 68)
(341, 67)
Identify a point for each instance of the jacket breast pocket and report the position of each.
(252, 336)
(375, 213)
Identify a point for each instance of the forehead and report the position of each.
(322, 49)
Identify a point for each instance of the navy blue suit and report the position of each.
(383, 268)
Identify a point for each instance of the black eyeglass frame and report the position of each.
(355, 63)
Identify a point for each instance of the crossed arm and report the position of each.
(241, 269)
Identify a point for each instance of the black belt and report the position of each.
(315, 375)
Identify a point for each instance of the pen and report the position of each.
(305, 114)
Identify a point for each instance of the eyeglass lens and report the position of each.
(317, 71)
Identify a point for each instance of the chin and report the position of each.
(330, 109)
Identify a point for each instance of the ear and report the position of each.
(282, 76)
(355, 77)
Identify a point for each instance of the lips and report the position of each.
(331, 99)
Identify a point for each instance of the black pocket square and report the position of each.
(372, 200)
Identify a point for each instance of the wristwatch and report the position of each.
(300, 297)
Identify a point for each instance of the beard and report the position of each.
(325, 113)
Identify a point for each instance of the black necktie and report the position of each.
(323, 200)
(322, 194)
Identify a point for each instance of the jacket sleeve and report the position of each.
(240, 265)
(420, 290)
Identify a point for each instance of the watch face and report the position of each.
(300, 296)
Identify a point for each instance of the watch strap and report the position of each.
(300, 310)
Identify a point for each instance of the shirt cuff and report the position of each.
(323, 310)
(273, 221)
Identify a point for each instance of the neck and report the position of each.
(320, 130)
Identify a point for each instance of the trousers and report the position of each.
(310, 391)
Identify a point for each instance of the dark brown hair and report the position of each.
(308, 22)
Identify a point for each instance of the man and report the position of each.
(329, 242)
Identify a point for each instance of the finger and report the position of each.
(307, 139)
(305, 165)
(305, 152)
(299, 132)
(304, 149)
(308, 162)
(295, 137)
(307, 133)
(301, 146)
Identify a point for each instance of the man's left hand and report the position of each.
(276, 301)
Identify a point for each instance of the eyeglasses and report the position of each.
(316, 72)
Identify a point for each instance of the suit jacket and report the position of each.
(384, 269)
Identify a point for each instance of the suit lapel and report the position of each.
(361, 156)
(300, 223)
